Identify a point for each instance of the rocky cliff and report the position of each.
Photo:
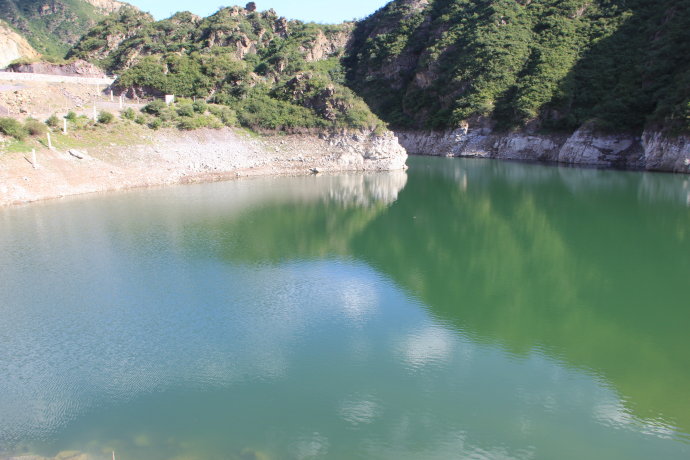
(654, 150)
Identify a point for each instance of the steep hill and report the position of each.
(277, 74)
(553, 64)
(53, 26)
(13, 46)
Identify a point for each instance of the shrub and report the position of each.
(225, 114)
(128, 114)
(185, 110)
(71, 116)
(140, 120)
(35, 127)
(199, 121)
(155, 124)
(82, 121)
(155, 108)
(200, 107)
(53, 121)
(12, 128)
(169, 114)
(105, 118)
(263, 112)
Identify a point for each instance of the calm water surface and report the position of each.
(464, 309)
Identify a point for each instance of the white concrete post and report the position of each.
(121, 104)
(95, 115)
(50, 143)
(33, 158)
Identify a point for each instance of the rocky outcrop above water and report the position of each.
(368, 151)
(654, 150)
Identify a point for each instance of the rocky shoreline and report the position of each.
(173, 157)
(653, 151)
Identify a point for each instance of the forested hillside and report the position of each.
(552, 64)
(276, 74)
(53, 26)
(617, 65)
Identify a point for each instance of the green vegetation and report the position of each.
(35, 127)
(53, 121)
(105, 118)
(261, 111)
(618, 65)
(156, 107)
(13, 128)
(556, 63)
(51, 27)
(270, 73)
(226, 115)
(184, 114)
(16, 146)
(128, 114)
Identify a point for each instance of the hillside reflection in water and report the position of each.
(467, 308)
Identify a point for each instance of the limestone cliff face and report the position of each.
(368, 151)
(663, 153)
(654, 151)
(13, 46)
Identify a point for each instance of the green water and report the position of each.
(464, 309)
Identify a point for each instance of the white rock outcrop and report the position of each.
(654, 150)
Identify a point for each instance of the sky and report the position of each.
(323, 11)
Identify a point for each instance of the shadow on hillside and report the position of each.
(637, 74)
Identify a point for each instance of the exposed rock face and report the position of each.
(654, 151)
(106, 6)
(77, 68)
(663, 153)
(588, 148)
(326, 46)
(13, 46)
(368, 151)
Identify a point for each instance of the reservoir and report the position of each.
(461, 309)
